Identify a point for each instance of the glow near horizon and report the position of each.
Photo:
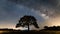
(10, 24)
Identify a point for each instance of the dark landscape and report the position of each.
(46, 30)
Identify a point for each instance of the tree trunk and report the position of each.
(28, 27)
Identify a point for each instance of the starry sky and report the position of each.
(47, 12)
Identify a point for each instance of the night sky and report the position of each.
(47, 12)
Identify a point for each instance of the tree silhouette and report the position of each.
(26, 21)
(45, 26)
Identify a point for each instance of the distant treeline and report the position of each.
(53, 28)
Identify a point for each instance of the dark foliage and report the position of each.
(53, 28)
(26, 21)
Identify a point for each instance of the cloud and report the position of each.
(13, 10)
(36, 3)
(51, 5)
(41, 6)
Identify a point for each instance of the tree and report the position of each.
(45, 27)
(26, 21)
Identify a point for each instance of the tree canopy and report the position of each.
(27, 20)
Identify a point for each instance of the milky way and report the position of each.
(12, 10)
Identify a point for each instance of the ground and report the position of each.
(12, 31)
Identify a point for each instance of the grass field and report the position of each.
(29, 32)
(13, 31)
